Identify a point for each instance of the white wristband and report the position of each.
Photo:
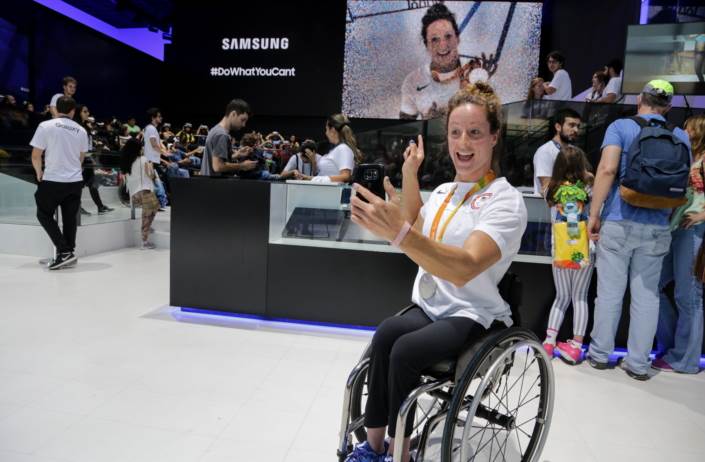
(402, 234)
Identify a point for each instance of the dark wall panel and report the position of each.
(219, 235)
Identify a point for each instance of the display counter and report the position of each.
(289, 251)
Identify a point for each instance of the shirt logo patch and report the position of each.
(479, 200)
(422, 87)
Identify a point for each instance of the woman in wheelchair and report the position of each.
(463, 239)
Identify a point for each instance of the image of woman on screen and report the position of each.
(426, 91)
(337, 166)
(699, 62)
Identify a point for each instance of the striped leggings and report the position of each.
(571, 285)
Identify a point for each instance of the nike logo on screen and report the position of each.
(422, 87)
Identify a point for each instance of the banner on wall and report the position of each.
(393, 70)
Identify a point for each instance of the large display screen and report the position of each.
(673, 52)
(393, 70)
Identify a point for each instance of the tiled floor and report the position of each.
(94, 367)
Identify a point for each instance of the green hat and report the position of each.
(660, 89)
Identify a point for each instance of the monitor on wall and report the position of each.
(673, 52)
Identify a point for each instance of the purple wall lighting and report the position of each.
(142, 39)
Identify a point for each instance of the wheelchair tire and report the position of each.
(511, 355)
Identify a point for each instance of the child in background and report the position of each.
(567, 194)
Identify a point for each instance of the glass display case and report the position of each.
(318, 215)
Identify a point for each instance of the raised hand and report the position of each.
(413, 157)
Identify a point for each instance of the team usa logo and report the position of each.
(479, 200)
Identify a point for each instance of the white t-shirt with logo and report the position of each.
(614, 86)
(564, 88)
(138, 180)
(419, 92)
(152, 155)
(544, 159)
(339, 158)
(498, 210)
(62, 141)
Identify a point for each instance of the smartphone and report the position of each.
(371, 176)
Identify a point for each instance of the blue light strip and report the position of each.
(618, 352)
(265, 319)
(142, 39)
(644, 13)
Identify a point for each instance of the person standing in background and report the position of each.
(89, 179)
(69, 86)
(217, 154)
(613, 90)
(680, 328)
(567, 126)
(153, 151)
(64, 144)
(560, 88)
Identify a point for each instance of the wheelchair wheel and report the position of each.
(509, 422)
(426, 407)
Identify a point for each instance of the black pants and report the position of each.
(49, 196)
(90, 182)
(402, 347)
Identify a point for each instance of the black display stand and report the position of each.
(221, 260)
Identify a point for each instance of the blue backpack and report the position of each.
(657, 167)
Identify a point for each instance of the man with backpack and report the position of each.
(642, 175)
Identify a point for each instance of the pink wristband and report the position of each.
(402, 234)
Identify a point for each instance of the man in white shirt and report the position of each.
(154, 150)
(613, 90)
(567, 127)
(560, 88)
(69, 85)
(64, 144)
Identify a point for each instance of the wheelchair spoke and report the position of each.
(521, 402)
(522, 375)
(521, 451)
(526, 421)
(529, 436)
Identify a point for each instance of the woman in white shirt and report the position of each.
(599, 82)
(304, 164)
(463, 239)
(337, 166)
(140, 184)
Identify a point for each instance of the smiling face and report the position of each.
(442, 45)
(470, 142)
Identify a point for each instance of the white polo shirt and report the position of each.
(544, 159)
(62, 141)
(497, 210)
(564, 88)
(54, 99)
(152, 155)
(419, 92)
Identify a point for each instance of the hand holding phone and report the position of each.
(371, 176)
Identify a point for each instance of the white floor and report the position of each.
(94, 367)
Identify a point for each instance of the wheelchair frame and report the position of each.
(484, 358)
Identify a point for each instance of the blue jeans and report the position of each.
(680, 329)
(628, 252)
(160, 192)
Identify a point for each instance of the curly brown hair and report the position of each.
(481, 94)
(695, 126)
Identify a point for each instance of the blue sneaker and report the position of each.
(364, 453)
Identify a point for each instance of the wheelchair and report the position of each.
(493, 402)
